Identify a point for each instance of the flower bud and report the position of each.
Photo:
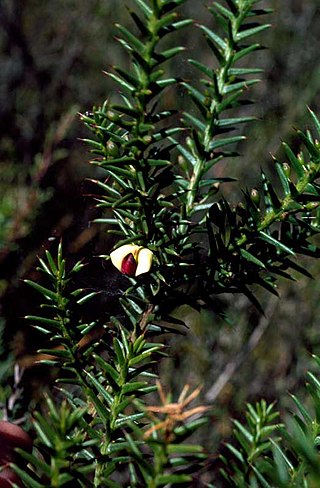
(112, 116)
(286, 169)
(255, 196)
(112, 149)
(132, 260)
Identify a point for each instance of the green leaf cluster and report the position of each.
(66, 458)
(59, 321)
(286, 455)
(222, 88)
(159, 190)
(100, 424)
(257, 241)
(253, 444)
(151, 200)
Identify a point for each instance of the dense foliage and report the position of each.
(178, 240)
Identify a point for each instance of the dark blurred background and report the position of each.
(52, 55)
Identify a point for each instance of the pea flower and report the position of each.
(132, 260)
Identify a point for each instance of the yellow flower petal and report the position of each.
(144, 261)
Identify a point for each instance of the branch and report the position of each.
(230, 369)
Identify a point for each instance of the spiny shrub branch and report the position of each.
(268, 454)
(178, 242)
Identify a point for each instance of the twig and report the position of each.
(248, 347)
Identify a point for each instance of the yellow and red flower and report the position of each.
(132, 260)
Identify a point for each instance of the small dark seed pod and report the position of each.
(8, 477)
(11, 437)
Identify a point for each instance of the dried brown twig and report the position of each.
(174, 413)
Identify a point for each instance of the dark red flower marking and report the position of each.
(129, 265)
